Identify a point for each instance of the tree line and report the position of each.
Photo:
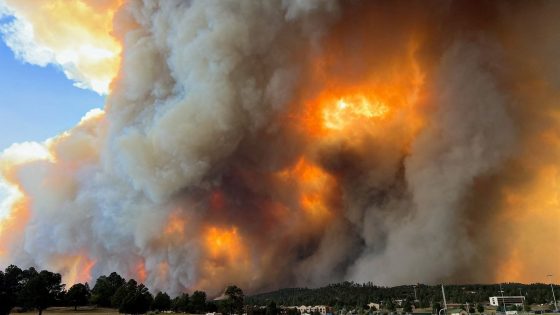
(350, 294)
(31, 289)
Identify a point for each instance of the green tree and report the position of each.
(121, 293)
(41, 289)
(480, 308)
(198, 302)
(407, 308)
(78, 295)
(390, 306)
(104, 289)
(162, 302)
(180, 303)
(137, 300)
(271, 308)
(211, 307)
(10, 285)
(293, 311)
(234, 299)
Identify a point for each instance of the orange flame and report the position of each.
(356, 108)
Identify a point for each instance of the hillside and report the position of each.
(354, 294)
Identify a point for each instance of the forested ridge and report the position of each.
(355, 294)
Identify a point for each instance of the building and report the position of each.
(507, 300)
(321, 309)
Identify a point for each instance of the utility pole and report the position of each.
(553, 296)
(444, 301)
(415, 298)
(503, 299)
(523, 300)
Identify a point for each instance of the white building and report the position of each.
(507, 300)
(321, 309)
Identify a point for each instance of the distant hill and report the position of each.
(355, 294)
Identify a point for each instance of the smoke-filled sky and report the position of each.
(291, 143)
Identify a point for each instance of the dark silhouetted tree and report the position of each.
(407, 307)
(118, 298)
(104, 289)
(40, 289)
(162, 302)
(78, 295)
(181, 303)
(137, 300)
(234, 299)
(389, 305)
(480, 308)
(198, 302)
(271, 308)
(10, 286)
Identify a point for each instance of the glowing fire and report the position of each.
(376, 103)
(224, 244)
(352, 109)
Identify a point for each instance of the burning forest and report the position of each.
(292, 143)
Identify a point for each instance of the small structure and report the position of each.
(321, 309)
(507, 300)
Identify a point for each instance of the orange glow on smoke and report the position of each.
(76, 269)
(313, 186)
(175, 225)
(226, 254)
(141, 272)
(12, 226)
(223, 244)
(529, 228)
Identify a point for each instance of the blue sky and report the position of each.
(37, 102)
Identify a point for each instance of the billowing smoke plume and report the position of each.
(275, 143)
